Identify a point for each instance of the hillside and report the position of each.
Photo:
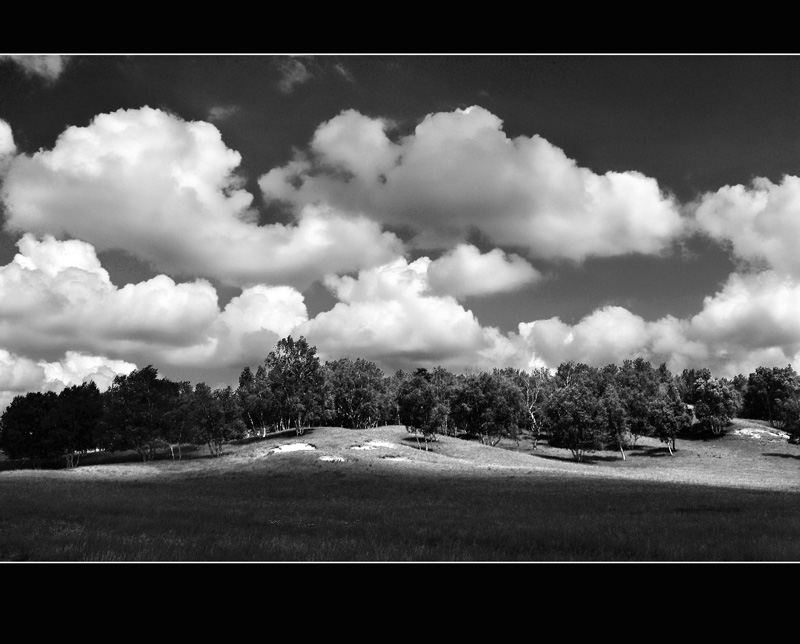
(338, 494)
(749, 455)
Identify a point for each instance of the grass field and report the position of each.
(374, 495)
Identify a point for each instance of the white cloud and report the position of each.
(7, 148)
(387, 314)
(166, 191)
(55, 296)
(20, 375)
(760, 222)
(46, 66)
(459, 171)
(607, 335)
(752, 321)
(7, 145)
(465, 271)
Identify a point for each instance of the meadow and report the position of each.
(377, 495)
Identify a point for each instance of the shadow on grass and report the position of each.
(418, 443)
(566, 458)
(779, 455)
(649, 452)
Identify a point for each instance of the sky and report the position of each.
(465, 211)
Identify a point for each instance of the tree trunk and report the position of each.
(623, 452)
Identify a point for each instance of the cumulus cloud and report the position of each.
(465, 271)
(760, 222)
(751, 321)
(20, 375)
(458, 171)
(7, 148)
(46, 66)
(7, 145)
(388, 314)
(607, 335)
(55, 296)
(166, 190)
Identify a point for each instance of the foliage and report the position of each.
(26, 423)
(136, 412)
(216, 416)
(257, 401)
(766, 389)
(354, 392)
(489, 405)
(45, 426)
(668, 415)
(638, 386)
(715, 403)
(576, 417)
(296, 381)
(534, 387)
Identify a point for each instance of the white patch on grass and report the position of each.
(292, 447)
(336, 459)
(754, 432)
(373, 444)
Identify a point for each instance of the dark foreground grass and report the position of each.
(320, 514)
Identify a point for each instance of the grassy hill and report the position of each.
(377, 495)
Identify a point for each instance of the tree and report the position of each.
(668, 415)
(576, 418)
(76, 419)
(534, 387)
(178, 427)
(256, 400)
(616, 419)
(216, 416)
(715, 403)
(26, 423)
(765, 390)
(355, 390)
(297, 383)
(638, 385)
(489, 405)
(45, 426)
(136, 412)
(415, 402)
(789, 413)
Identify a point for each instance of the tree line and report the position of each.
(577, 407)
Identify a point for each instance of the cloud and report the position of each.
(464, 271)
(344, 72)
(222, 112)
(166, 191)
(388, 314)
(7, 148)
(293, 73)
(751, 321)
(760, 222)
(7, 145)
(20, 375)
(48, 67)
(55, 297)
(458, 171)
